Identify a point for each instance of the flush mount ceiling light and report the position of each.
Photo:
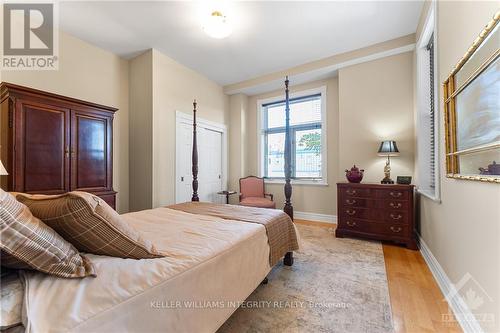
(217, 26)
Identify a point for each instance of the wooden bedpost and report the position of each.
(288, 158)
(195, 158)
(288, 209)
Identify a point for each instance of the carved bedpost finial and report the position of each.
(288, 158)
(194, 160)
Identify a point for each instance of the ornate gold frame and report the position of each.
(450, 91)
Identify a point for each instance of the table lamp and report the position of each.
(388, 148)
(3, 172)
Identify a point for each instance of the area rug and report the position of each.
(335, 285)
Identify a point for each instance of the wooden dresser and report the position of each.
(52, 144)
(376, 211)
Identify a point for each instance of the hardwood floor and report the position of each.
(416, 300)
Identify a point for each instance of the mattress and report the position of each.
(211, 266)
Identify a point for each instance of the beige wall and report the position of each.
(92, 74)
(164, 87)
(141, 140)
(306, 198)
(174, 89)
(332, 62)
(463, 230)
(238, 109)
(367, 103)
(376, 104)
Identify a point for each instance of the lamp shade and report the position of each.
(3, 172)
(388, 148)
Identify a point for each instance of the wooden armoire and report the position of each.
(52, 144)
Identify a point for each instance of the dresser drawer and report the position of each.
(110, 199)
(348, 202)
(393, 204)
(374, 228)
(393, 216)
(389, 229)
(354, 212)
(392, 194)
(351, 192)
(353, 224)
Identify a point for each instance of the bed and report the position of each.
(216, 255)
(205, 256)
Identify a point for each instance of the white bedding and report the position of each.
(209, 260)
(11, 300)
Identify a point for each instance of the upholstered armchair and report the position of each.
(252, 193)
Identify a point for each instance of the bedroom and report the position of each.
(357, 67)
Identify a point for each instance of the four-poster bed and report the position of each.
(288, 208)
(206, 248)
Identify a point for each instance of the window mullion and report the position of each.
(266, 155)
(294, 151)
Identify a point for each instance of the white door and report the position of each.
(183, 163)
(209, 163)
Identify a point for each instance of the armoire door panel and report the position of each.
(90, 151)
(43, 144)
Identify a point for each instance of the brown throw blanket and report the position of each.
(279, 227)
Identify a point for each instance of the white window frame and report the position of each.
(422, 62)
(323, 181)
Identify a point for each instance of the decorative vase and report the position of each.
(491, 169)
(354, 175)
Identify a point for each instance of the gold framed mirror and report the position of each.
(472, 110)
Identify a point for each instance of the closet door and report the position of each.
(41, 150)
(91, 156)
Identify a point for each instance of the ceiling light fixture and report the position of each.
(217, 26)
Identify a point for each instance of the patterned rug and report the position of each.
(335, 285)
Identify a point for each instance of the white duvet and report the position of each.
(212, 264)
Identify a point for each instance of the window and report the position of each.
(307, 133)
(427, 166)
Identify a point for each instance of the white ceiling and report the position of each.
(267, 36)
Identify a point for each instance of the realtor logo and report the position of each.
(29, 36)
(470, 299)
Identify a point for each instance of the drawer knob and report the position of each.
(398, 217)
(351, 192)
(396, 229)
(350, 212)
(395, 194)
(350, 202)
(397, 205)
(351, 224)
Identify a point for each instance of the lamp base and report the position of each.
(387, 173)
(387, 181)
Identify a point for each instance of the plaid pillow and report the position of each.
(90, 224)
(26, 242)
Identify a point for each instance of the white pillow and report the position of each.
(11, 300)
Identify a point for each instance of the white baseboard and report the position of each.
(315, 217)
(460, 309)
